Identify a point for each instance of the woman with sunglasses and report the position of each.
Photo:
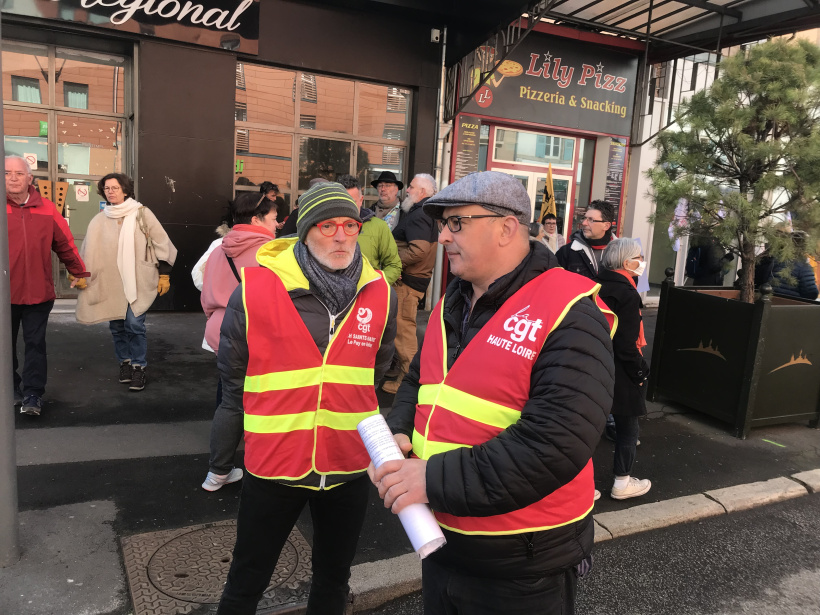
(254, 225)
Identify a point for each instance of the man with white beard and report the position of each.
(416, 237)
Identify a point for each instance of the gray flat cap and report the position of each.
(498, 192)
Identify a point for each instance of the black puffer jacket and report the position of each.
(232, 359)
(577, 256)
(559, 428)
(416, 237)
(631, 370)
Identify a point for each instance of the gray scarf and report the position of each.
(336, 289)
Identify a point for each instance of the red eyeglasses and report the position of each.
(329, 228)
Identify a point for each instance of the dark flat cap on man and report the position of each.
(387, 176)
(498, 192)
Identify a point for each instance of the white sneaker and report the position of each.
(597, 496)
(634, 488)
(214, 482)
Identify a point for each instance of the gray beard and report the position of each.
(407, 203)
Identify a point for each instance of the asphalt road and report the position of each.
(764, 561)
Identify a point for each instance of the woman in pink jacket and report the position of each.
(254, 225)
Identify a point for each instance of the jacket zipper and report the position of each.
(331, 331)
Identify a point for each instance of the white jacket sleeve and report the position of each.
(198, 270)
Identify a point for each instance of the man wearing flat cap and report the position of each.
(306, 337)
(502, 409)
(388, 207)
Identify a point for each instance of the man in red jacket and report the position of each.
(35, 229)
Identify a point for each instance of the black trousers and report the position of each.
(626, 444)
(34, 319)
(267, 513)
(448, 593)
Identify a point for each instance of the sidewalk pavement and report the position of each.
(113, 520)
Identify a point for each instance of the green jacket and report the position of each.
(378, 246)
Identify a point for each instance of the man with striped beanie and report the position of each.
(305, 338)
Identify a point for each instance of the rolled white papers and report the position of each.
(417, 519)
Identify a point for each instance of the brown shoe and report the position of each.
(391, 386)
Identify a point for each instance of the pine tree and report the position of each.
(745, 155)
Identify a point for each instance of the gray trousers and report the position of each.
(226, 433)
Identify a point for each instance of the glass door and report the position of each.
(67, 112)
(534, 182)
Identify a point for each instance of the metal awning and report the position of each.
(677, 28)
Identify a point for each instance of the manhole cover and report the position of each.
(174, 571)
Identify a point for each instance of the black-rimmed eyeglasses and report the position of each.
(454, 222)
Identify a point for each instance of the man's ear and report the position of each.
(510, 227)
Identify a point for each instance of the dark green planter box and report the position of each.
(748, 365)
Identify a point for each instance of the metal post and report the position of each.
(9, 530)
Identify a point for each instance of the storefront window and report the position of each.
(332, 126)
(533, 148)
(27, 136)
(88, 146)
(383, 112)
(93, 81)
(322, 158)
(25, 73)
(66, 112)
(263, 156)
(326, 102)
(266, 95)
(371, 160)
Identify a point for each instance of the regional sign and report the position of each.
(229, 24)
(561, 82)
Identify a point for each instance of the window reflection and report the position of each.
(27, 136)
(88, 146)
(87, 80)
(263, 156)
(267, 125)
(383, 111)
(25, 73)
(326, 104)
(264, 95)
(372, 159)
(322, 158)
(533, 148)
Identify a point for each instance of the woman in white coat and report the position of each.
(130, 257)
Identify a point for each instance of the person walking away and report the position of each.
(502, 409)
(375, 239)
(35, 229)
(304, 340)
(255, 225)
(621, 264)
(416, 238)
(583, 254)
(130, 257)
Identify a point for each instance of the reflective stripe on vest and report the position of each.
(487, 387)
(302, 408)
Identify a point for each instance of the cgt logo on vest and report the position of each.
(521, 328)
(364, 316)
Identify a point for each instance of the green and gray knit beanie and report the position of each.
(322, 202)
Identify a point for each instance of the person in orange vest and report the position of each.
(502, 409)
(304, 340)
